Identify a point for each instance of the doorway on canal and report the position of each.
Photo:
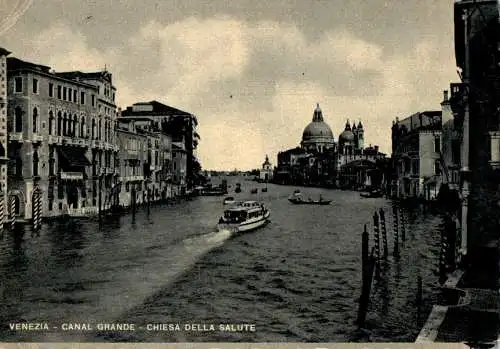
(72, 196)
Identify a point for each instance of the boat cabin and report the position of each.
(241, 214)
(250, 204)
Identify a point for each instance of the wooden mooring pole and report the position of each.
(403, 224)
(366, 278)
(384, 232)
(376, 234)
(2, 213)
(395, 228)
(12, 212)
(419, 297)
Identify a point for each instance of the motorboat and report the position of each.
(244, 217)
(229, 200)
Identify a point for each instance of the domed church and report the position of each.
(321, 161)
(351, 141)
(317, 136)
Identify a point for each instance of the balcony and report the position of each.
(74, 141)
(16, 137)
(133, 178)
(72, 175)
(106, 171)
(37, 138)
(55, 140)
(97, 144)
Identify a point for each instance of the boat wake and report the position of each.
(134, 285)
(208, 241)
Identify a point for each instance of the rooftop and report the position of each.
(152, 108)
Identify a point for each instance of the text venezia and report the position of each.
(42, 326)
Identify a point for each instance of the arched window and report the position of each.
(65, 125)
(35, 164)
(75, 128)
(35, 120)
(59, 124)
(93, 128)
(99, 130)
(51, 122)
(19, 119)
(82, 128)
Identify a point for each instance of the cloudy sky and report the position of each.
(252, 71)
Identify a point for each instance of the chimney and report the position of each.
(445, 96)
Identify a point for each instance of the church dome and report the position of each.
(317, 128)
(347, 135)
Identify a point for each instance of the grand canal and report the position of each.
(297, 279)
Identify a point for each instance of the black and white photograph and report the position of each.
(249, 171)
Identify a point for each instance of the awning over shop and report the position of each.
(74, 156)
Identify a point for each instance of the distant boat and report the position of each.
(297, 199)
(264, 190)
(254, 191)
(212, 192)
(229, 200)
(373, 194)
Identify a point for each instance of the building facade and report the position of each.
(53, 134)
(416, 152)
(104, 150)
(176, 128)
(266, 171)
(3, 135)
(477, 114)
(451, 143)
(179, 168)
(132, 162)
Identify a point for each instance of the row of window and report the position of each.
(63, 93)
(67, 125)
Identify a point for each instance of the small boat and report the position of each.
(297, 199)
(264, 190)
(254, 191)
(244, 217)
(373, 194)
(229, 201)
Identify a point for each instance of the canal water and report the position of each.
(297, 279)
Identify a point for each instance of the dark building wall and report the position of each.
(484, 97)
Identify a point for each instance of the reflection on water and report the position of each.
(297, 279)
